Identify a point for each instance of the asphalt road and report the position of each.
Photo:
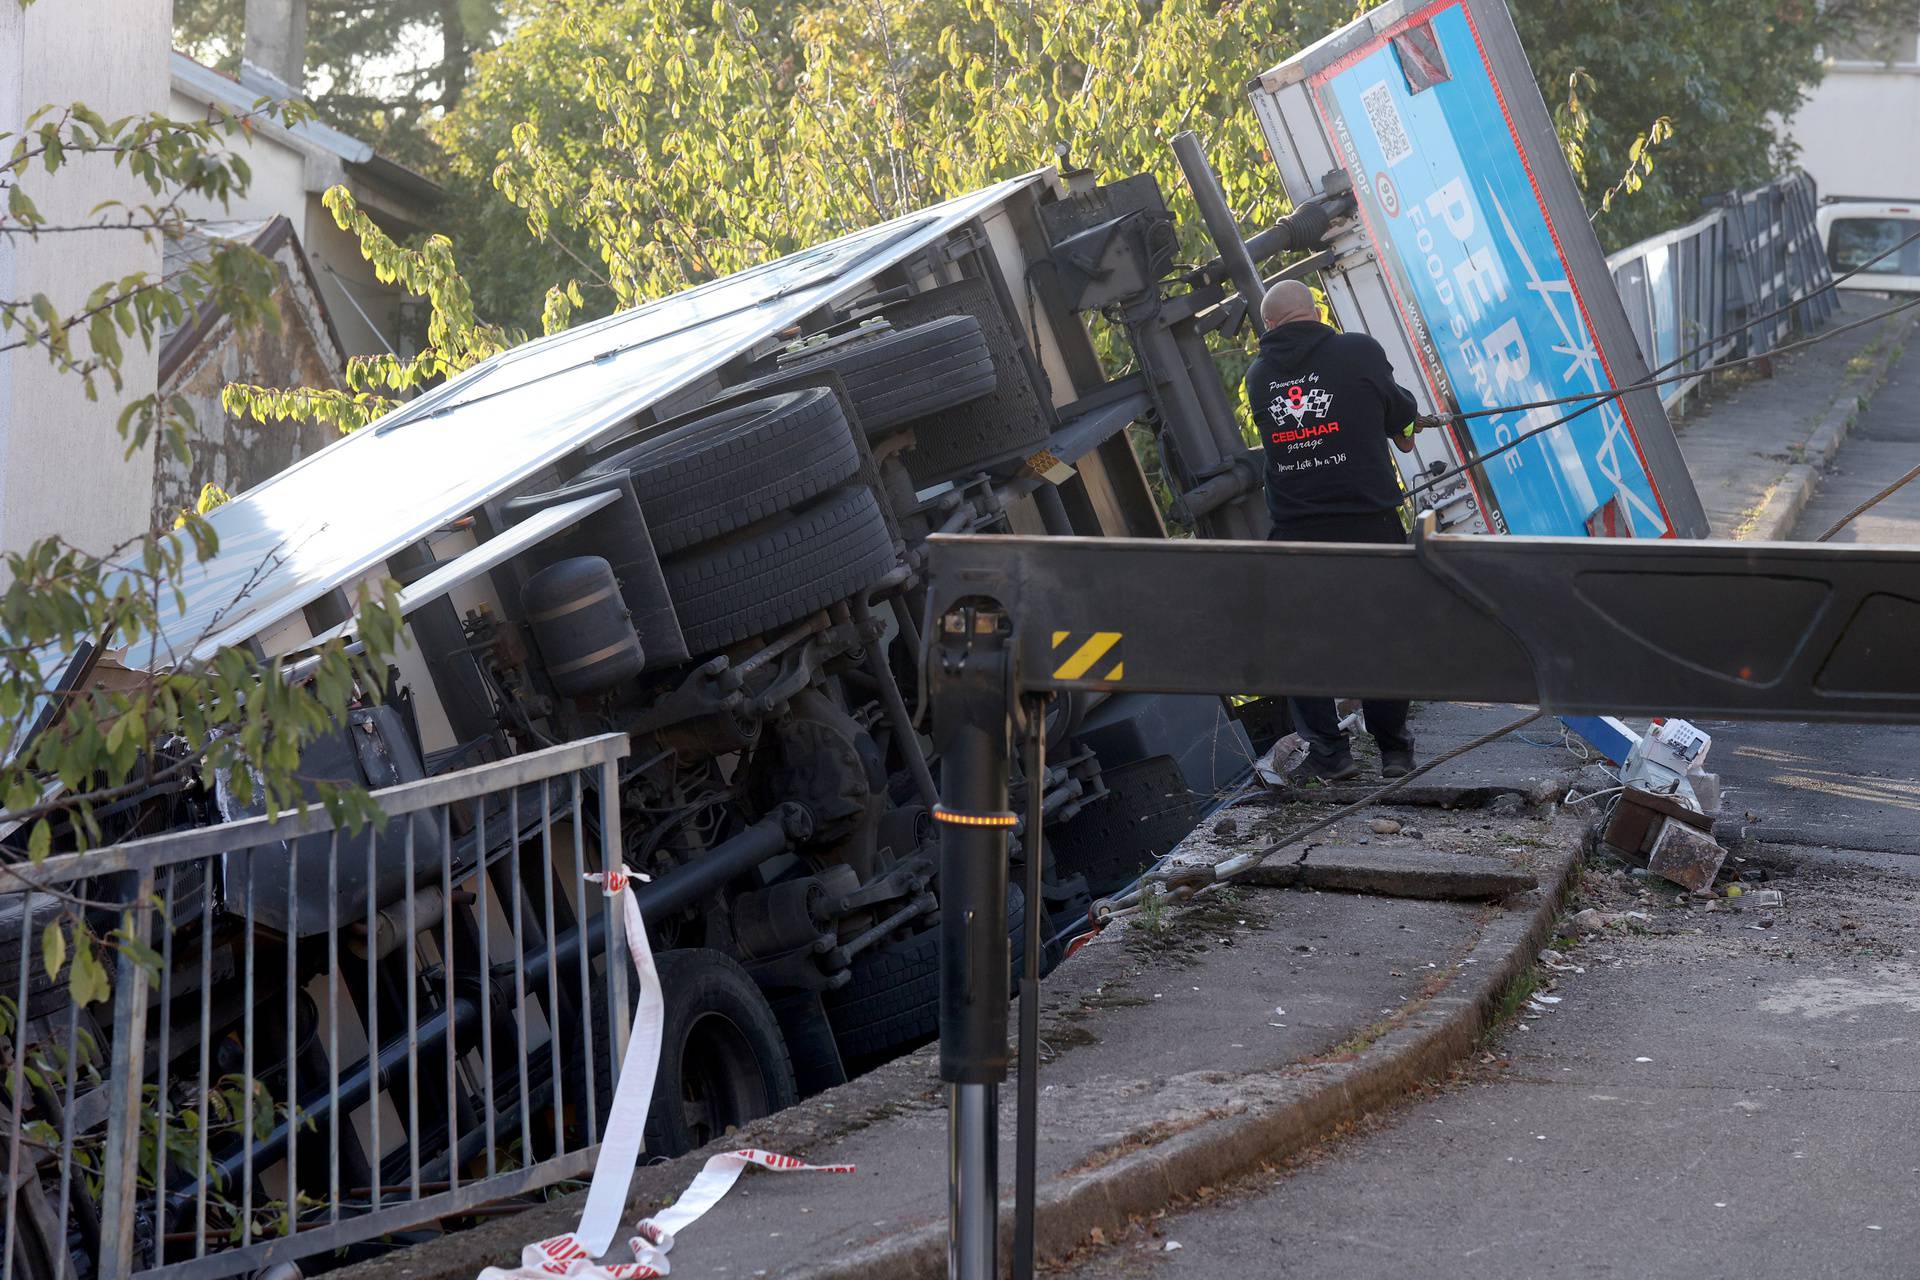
(1716, 1099)
(1717, 1094)
(1847, 786)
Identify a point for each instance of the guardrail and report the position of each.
(317, 1037)
(1705, 283)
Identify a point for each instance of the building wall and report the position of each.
(348, 284)
(289, 181)
(1855, 133)
(234, 453)
(62, 464)
(279, 173)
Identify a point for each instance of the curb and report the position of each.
(1288, 1112)
(1774, 518)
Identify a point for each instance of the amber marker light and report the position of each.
(965, 818)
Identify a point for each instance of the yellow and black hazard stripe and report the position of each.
(1089, 655)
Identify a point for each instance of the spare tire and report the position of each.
(782, 571)
(904, 374)
(740, 465)
(893, 1000)
(45, 993)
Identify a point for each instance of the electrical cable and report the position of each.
(1551, 744)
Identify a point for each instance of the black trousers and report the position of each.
(1316, 719)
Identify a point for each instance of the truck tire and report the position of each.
(723, 1059)
(781, 571)
(725, 471)
(45, 994)
(905, 374)
(893, 1000)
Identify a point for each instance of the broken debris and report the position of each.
(1280, 760)
(1686, 855)
(1593, 920)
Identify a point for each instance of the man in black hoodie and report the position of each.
(1326, 405)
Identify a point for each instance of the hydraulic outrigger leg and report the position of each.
(972, 708)
(1711, 629)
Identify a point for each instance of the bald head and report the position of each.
(1286, 302)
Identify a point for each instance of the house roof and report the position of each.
(243, 93)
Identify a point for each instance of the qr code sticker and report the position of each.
(1391, 131)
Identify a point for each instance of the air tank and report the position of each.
(581, 626)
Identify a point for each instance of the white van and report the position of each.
(1857, 230)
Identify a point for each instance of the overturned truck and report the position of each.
(698, 524)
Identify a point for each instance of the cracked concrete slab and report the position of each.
(1397, 873)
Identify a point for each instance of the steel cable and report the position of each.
(1598, 398)
(1231, 867)
(1590, 400)
(1226, 869)
(1688, 354)
(1870, 503)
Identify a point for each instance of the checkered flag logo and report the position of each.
(1298, 402)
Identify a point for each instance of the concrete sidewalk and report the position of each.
(1179, 1050)
(1756, 444)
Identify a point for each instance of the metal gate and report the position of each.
(315, 1036)
(1702, 285)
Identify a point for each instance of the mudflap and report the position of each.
(1208, 746)
(373, 751)
(1163, 758)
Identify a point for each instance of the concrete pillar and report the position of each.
(276, 40)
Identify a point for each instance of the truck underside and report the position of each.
(729, 569)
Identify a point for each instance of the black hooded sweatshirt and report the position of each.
(1326, 405)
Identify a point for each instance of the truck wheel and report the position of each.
(906, 374)
(732, 468)
(781, 571)
(723, 1060)
(45, 993)
(893, 1001)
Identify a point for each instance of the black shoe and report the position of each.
(1314, 769)
(1396, 764)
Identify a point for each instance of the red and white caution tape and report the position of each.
(574, 1255)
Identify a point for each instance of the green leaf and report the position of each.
(53, 949)
(22, 208)
(87, 980)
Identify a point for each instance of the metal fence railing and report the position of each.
(1702, 285)
(316, 1037)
